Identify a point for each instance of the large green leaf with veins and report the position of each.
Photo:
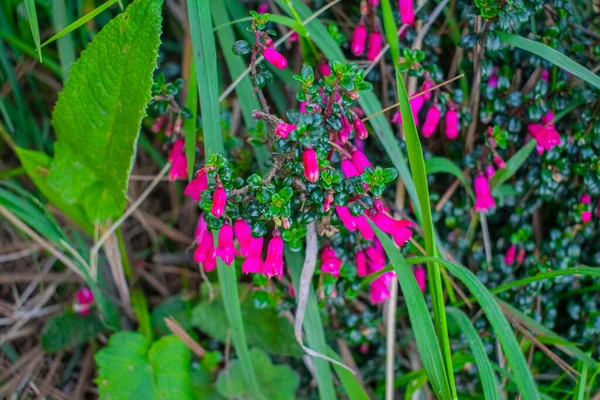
(129, 368)
(98, 115)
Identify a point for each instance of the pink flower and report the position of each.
(273, 265)
(549, 117)
(483, 198)
(263, 8)
(205, 252)
(360, 161)
(490, 171)
(374, 46)
(407, 13)
(159, 122)
(416, 103)
(361, 130)
(364, 227)
(545, 75)
(401, 232)
(361, 263)
(293, 37)
(83, 301)
(585, 199)
(509, 256)
(330, 263)
(521, 256)
(500, 163)
(586, 216)
(198, 185)
(328, 201)
(379, 206)
(311, 165)
(275, 58)
(349, 169)
(324, 68)
(374, 3)
(219, 201)
(431, 121)
(546, 137)
(379, 290)
(428, 84)
(451, 124)
(421, 277)
(383, 221)
(359, 37)
(303, 107)
(225, 249)
(253, 264)
(283, 130)
(347, 219)
(493, 81)
(399, 229)
(243, 234)
(178, 161)
(201, 226)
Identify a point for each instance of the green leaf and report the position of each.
(129, 368)
(140, 307)
(68, 330)
(350, 383)
(280, 19)
(512, 165)
(104, 101)
(391, 31)
(436, 165)
(175, 307)
(66, 46)
(189, 125)
(202, 384)
(264, 327)
(277, 382)
(33, 24)
(555, 57)
(486, 373)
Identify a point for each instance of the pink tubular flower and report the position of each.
(416, 104)
(509, 256)
(347, 219)
(407, 13)
(379, 206)
(374, 46)
(379, 290)
(273, 265)
(431, 121)
(376, 257)
(493, 81)
(303, 107)
(361, 263)
(201, 226)
(359, 37)
(483, 197)
(225, 249)
(451, 124)
(330, 263)
(283, 130)
(219, 201)
(253, 264)
(364, 227)
(585, 199)
(349, 169)
(549, 117)
(205, 252)
(428, 84)
(586, 216)
(490, 171)
(324, 68)
(359, 127)
(374, 3)
(178, 161)
(83, 301)
(328, 201)
(263, 8)
(243, 234)
(275, 57)
(402, 233)
(311, 165)
(500, 163)
(545, 75)
(158, 123)
(198, 185)
(546, 137)
(521, 256)
(360, 161)
(294, 37)
(383, 221)
(421, 277)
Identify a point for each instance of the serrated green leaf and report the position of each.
(130, 369)
(68, 330)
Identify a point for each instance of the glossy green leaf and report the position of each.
(67, 330)
(435, 165)
(512, 165)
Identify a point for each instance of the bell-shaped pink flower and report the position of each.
(451, 120)
(407, 14)
(324, 68)
(382, 221)
(374, 46)
(303, 107)
(428, 84)
(421, 277)
(360, 260)
(431, 121)
(330, 263)
(416, 103)
(158, 123)
(379, 291)
(493, 81)
(375, 257)
(545, 75)
(294, 37)
(328, 201)
(311, 165)
(402, 233)
(549, 117)
(509, 256)
(344, 133)
(359, 37)
(263, 8)
(198, 185)
(273, 265)
(490, 171)
(243, 234)
(275, 57)
(521, 256)
(585, 199)
(364, 227)
(219, 201)
(499, 161)
(349, 169)
(201, 226)
(483, 197)
(205, 252)
(360, 129)
(225, 248)
(586, 216)
(253, 264)
(374, 3)
(178, 161)
(283, 130)
(347, 218)
(83, 301)
(546, 137)
(360, 161)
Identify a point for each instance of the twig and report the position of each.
(178, 331)
(390, 341)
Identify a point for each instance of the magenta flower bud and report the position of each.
(379, 291)
(521, 256)
(431, 121)
(349, 169)
(324, 68)
(273, 265)
(198, 185)
(490, 171)
(374, 3)
(303, 107)
(421, 278)
(483, 197)
(365, 228)
(330, 263)
(493, 81)
(374, 46)
(274, 57)
(328, 201)
(361, 130)
(219, 201)
(407, 14)
(451, 120)
(360, 161)
(346, 217)
(283, 130)
(311, 165)
(509, 256)
(500, 163)
(178, 161)
(545, 75)
(360, 259)
(201, 226)
(225, 248)
(585, 199)
(359, 37)
(376, 258)
(253, 264)
(402, 233)
(428, 84)
(586, 216)
(263, 8)
(84, 296)
(294, 37)
(243, 234)
(416, 104)
(158, 123)
(549, 117)
(205, 253)
(546, 137)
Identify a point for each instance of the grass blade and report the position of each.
(189, 125)
(33, 24)
(486, 373)
(581, 383)
(512, 165)
(391, 30)
(66, 47)
(555, 57)
(351, 385)
(205, 62)
(436, 165)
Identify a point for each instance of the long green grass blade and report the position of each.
(26, 48)
(512, 165)
(435, 165)
(351, 385)
(581, 383)
(488, 379)
(66, 46)
(391, 31)
(205, 62)
(555, 57)
(189, 126)
(33, 24)
(523, 377)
